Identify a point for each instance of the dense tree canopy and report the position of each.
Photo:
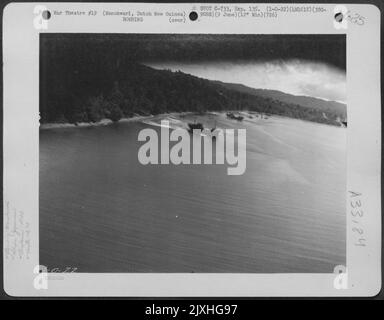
(86, 81)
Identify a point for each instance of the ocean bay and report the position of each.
(105, 212)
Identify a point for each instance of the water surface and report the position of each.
(102, 211)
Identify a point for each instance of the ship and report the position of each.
(231, 115)
(213, 132)
(195, 126)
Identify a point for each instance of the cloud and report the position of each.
(298, 77)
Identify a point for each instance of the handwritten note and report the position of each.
(17, 234)
(357, 214)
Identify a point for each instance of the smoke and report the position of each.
(297, 77)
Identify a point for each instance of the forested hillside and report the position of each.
(305, 101)
(85, 83)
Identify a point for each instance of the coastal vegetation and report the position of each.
(87, 83)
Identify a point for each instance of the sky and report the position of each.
(297, 77)
(300, 64)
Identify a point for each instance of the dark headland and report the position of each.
(89, 83)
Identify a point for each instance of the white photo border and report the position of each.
(21, 153)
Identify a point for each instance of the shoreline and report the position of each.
(102, 122)
(106, 122)
(136, 118)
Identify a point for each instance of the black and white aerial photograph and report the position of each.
(192, 153)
